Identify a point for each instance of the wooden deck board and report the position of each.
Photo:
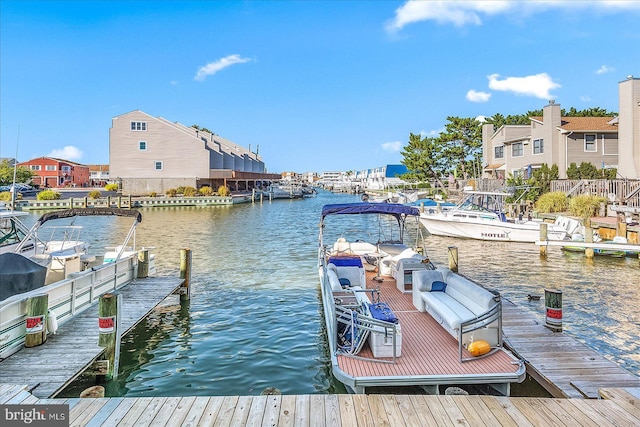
(75, 346)
(618, 407)
(563, 365)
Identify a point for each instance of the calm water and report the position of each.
(254, 319)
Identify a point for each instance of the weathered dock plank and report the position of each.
(75, 346)
(617, 407)
(560, 363)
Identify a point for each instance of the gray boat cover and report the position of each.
(18, 274)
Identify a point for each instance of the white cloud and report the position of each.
(213, 67)
(605, 69)
(481, 118)
(460, 13)
(475, 96)
(537, 85)
(585, 98)
(69, 152)
(392, 147)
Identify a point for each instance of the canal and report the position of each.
(254, 318)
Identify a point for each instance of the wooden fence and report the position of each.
(621, 191)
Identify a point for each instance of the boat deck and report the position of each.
(429, 355)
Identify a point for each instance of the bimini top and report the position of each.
(69, 213)
(395, 209)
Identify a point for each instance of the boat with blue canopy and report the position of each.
(368, 258)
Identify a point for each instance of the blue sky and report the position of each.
(316, 85)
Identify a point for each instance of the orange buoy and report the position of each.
(478, 348)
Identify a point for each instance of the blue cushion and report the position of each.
(345, 282)
(438, 286)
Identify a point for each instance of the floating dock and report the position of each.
(49, 368)
(616, 407)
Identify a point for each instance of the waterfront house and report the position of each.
(98, 175)
(152, 154)
(57, 173)
(606, 142)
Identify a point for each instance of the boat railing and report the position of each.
(66, 299)
(491, 320)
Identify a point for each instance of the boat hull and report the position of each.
(525, 232)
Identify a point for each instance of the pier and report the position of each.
(565, 367)
(616, 407)
(50, 367)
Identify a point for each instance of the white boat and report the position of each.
(480, 215)
(378, 335)
(284, 190)
(75, 288)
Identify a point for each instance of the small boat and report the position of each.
(607, 247)
(379, 332)
(71, 289)
(284, 190)
(480, 215)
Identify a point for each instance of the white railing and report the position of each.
(67, 298)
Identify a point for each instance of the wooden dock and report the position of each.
(48, 368)
(564, 366)
(617, 407)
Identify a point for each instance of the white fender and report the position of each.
(52, 322)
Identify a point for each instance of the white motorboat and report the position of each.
(480, 215)
(378, 331)
(284, 190)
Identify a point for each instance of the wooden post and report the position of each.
(130, 201)
(185, 273)
(109, 330)
(143, 263)
(37, 307)
(543, 238)
(85, 202)
(588, 238)
(422, 207)
(70, 202)
(108, 201)
(553, 305)
(453, 258)
(621, 229)
(119, 202)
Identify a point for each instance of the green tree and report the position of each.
(588, 171)
(423, 159)
(462, 148)
(573, 172)
(23, 174)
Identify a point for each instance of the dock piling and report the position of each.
(37, 307)
(588, 238)
(143, 263)
(185, 273)
(543, 238)
(109, 313)
(453, 258)
(553, 306)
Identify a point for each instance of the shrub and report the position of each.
(171, 192)
(94, 194)
(205, 191)
(180, 190)
(5, 196)
(189, 191)
(223, 191)
(153, 194)
(552, 202)
(48, 195)
(111, 187)
(585, 205)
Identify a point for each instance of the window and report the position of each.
(66, 168)
(538, 146)
(590, 143)
(142, 145)
(159, 165)
(516, 150)
(139, 126)
(50, 167)
(34, 167)
(498, 152)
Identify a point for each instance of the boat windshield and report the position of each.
(483, 202)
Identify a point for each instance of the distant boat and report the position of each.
(480, 215)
